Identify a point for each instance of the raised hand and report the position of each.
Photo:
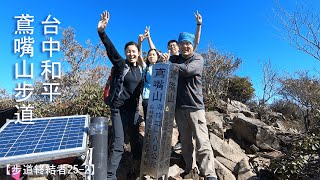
(104, 19)
(147, 32)
(198, 17)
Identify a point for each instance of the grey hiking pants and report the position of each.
(192, 124)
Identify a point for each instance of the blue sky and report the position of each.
(243, 28)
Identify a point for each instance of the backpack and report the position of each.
(106, 91)
(114, 84)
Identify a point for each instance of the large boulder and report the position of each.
(215, 123)
(232, 166)
(238, 107)
(224, 149)
(260, 163)
(271, 117)
(256, 132)
(245, 172)
(222, 172)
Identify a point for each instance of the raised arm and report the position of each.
(113, 54)
(148, 36)
(198, 31)
(103, 22)
(140, 58)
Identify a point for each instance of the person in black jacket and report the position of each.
(123, 100)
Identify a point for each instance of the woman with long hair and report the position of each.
(152, 58)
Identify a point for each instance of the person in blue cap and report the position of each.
(172, 45)
(190, 109)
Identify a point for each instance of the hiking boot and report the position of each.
(193, 174)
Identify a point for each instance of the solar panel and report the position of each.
(45, 139)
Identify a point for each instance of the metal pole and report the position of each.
(99, 143)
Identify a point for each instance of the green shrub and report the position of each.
(301, 161)
(240, 89)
